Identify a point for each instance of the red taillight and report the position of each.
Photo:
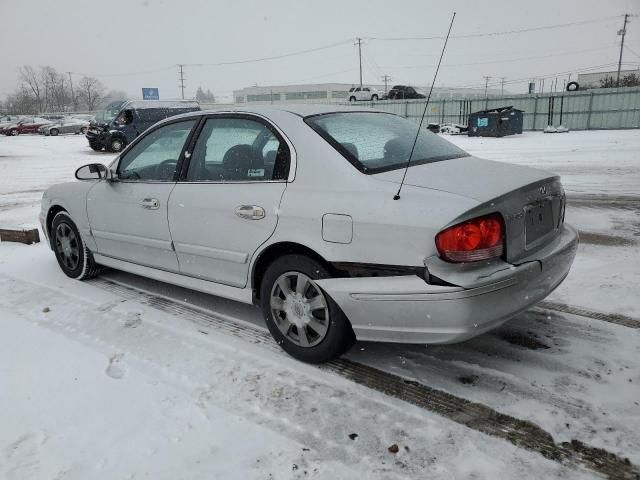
(477, 239)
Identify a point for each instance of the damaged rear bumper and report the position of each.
(406, 309)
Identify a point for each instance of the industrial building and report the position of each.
(330, 93)
(592, 80)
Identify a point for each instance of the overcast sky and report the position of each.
(129, 44)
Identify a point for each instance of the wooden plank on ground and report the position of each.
(22, 236)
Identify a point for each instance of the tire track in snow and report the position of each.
(615, 318)
(522, 433)
(319, 413)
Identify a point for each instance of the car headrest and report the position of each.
(395, 150)
(352, 149)
(239, 160)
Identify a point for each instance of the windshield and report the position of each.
(377, 142)
(109, 113)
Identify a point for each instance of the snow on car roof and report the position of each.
(301, 110)
(144, 104)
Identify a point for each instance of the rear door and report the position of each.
(226, 206)
(128, 217)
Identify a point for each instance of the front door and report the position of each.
(128, 217)
(227, 205)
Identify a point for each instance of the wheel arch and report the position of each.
(276, 250)
(52, 212)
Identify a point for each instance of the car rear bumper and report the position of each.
(406, 309)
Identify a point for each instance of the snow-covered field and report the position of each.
(98, 383)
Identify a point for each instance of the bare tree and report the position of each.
(55, 88)
(90, 91)
(32, 83)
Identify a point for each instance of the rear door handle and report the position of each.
(250, 212)
(150, 203)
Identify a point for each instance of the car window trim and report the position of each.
(272, 127)
(149, 132)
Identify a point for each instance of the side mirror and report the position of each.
(93, 171)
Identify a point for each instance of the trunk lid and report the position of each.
(531, 201)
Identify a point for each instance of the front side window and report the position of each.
(155, 156)
(232, 149)
(377, 142)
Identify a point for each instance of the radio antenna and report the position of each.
(415, 140)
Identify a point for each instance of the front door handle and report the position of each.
(150, 203)
(250, 212)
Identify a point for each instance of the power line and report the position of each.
(517, 59)
(504, 32)
(626, 47)
(274, 57)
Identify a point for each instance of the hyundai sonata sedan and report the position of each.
(296, 209)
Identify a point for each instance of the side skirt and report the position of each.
(243, 295)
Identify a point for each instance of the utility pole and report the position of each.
(386, 79)
(181, 79)
(359, 41)
(623, 33)
(502, 79)
(486, 83)
(73, 97)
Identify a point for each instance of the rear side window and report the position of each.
(238, 149)
(377, 142)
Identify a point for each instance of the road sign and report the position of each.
(150, 94)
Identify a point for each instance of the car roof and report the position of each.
(299, 110)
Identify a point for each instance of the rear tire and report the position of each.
(304, 320)
(374, 98)
(74, 258)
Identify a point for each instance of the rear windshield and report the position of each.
(377, 142)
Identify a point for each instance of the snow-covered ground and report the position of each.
(94, 384)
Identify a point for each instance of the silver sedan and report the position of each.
(68, 125)
(296, 209)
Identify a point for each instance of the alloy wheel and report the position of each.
(67, 246)
(299, 309)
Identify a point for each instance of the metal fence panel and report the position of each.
(611, 108)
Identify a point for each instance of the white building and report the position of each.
(592, 80)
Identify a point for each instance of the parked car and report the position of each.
(404, 92)
(357, 94)
(122, 121)
(25, 125)
(68, 125)
(293, 208)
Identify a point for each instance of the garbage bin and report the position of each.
(496, 122)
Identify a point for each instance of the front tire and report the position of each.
(352, 99)
(117, 145)
(303, 320)
(14, 133)
(74, 258)
(54, 132)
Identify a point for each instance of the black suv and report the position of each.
(401, 92)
